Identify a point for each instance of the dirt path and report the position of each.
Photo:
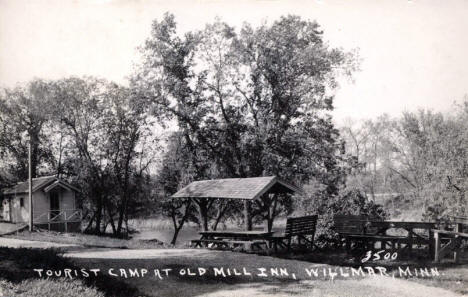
(139, 254)
(8, 228)
(207, 286)
(370, 286)
(20, 243)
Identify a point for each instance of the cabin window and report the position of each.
(21, 202)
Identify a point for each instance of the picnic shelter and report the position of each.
(251, 189)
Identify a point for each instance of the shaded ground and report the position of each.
(18, 278)
(208, 284)
(453, 280)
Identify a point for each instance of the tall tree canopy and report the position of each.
(250, 102)
(23, 117)
(110, 145)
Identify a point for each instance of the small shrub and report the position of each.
(48, 287)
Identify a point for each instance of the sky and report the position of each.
(414, 53)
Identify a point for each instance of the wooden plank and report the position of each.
(461, 234)
(398, 224)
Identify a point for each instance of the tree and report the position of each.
(248, 104)
(24, 112)
(111, 145)
(421, 156)
(172, 174)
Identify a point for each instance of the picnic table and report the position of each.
(249, 240)
(449, 241)
(377, 232)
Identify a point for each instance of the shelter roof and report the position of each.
(236, 188)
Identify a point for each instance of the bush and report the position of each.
(48, 287)
(348, 202)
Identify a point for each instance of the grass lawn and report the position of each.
(88, 240)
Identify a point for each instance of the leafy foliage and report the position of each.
(247, 103)
(420, 157)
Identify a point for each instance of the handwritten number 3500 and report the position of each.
(378, 256)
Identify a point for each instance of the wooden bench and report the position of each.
(348, 226)
(373, 234)
(357, 230)
(303, 228)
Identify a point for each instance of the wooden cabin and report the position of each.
(54, 204)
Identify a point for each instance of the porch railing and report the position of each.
(59, 216)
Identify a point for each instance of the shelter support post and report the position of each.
(247, 215)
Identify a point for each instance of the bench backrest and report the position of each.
(349, 224)
(301, 226)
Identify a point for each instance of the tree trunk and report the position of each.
(90, 223)
(270, 224)
(221, 212)
(181, 222)
(111, 221)
(203, 207)
(204, 220)
(270, 217)
(97, 228)
(176, 233)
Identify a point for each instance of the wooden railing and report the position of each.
(58, 216)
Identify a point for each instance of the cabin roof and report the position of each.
(236, 188)
(38, 183)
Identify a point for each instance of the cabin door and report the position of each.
(54, 205)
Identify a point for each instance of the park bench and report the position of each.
(301, 228)
(360, 231)
(375, 236)
(347, 226)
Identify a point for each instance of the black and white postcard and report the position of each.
(233, 148)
